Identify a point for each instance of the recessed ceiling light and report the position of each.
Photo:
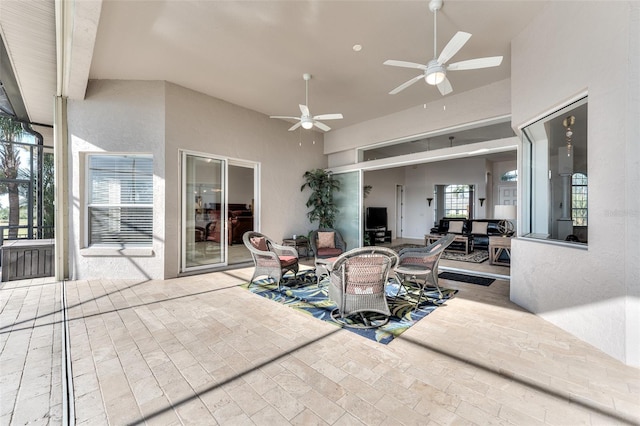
(357, 47)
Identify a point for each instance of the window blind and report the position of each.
(120, 200)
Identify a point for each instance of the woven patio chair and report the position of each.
(327, 244)
(270, 258)
(421, 263)
(357, 281)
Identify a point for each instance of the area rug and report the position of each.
(302, 293)
(477, 256)
(470, 279)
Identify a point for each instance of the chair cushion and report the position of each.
(326, 240)
(455, 227)
(287, 260)
(259, 243)
(328, 252)
(479, 228)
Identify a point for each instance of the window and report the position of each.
(555, 180)
(120, 200)
(456, 200)
(579, 199)
(510, 176)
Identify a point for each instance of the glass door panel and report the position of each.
(204, 212)
(349, 203)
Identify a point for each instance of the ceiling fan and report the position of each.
(435, 71)
(306, 120)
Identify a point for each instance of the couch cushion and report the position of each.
(479, 228)
(326, 240)
(455, 226)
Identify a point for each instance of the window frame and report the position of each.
(447, 197)
(89, 204)
(545, 176)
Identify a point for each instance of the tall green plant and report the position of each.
(322, 185)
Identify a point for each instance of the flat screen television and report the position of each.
(376, 217)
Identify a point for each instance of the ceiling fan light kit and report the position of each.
(435, 71)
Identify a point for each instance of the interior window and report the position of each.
(120, 200)
(556, 181)
(456, 200)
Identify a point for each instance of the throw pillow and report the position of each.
(479, 228)
(260, 243)
(455, 227)
(326, 240)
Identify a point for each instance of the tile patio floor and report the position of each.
(201, 350)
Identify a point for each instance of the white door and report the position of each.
(508, 194)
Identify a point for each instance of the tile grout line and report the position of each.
(68, 406)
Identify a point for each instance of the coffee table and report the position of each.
(464, 242)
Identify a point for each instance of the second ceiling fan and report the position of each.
(306, 120)
(435, 71)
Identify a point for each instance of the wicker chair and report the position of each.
(271, 259)
(422, 262)
(324, 255)
(339, 245)
(357, 285)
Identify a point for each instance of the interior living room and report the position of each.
(240, 99)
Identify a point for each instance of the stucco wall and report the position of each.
(200, 123)
(569, 48)
(122, 117)
(162, 118)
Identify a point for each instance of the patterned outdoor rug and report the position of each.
(476, 256)
(303, 294)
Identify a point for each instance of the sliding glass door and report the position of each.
(349, 203)
(204, 209)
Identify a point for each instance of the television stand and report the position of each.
(378, 236)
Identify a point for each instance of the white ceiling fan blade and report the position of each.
(445, 87)
(321, 126)
(295, 126)
(455, 44)
(472, 64)
(405, 64)
(304, 110)
(328, 117)
(284, 116)
(406, 84)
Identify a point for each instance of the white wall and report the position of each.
(487, 102)
(124, 117)
(162, 118)
(594, 294)
(383, 193)
(198, 122)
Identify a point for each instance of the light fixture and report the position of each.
(435, 73)
(504, 212)
(481, 201)
(429, 200)
(357, 47)
(307, 123)
(567, 123)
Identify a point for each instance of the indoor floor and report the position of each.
(203, 350)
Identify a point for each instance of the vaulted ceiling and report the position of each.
(253, 53)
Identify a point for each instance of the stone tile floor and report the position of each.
(201, 350)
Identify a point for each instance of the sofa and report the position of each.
(478, 229)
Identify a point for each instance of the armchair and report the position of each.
(271, 259)
(325, 245)
(422, 262)
(357, 285)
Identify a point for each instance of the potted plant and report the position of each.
(322, 185)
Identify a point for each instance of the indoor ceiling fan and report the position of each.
(306, 120)
(435, 71)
